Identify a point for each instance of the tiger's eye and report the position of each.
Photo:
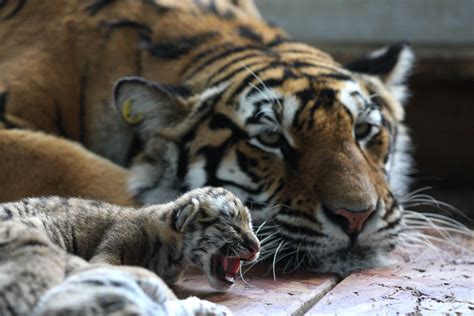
(270, 138)
(362, 130)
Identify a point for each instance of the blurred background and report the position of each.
(440, 112)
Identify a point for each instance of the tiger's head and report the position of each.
(317, 150)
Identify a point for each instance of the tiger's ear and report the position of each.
(148, 106)
(249, 7)
(186, 215)
(392, 64)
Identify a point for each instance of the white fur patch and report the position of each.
(197, 175)
(395, 80)
(229, 170)
(400, 163)
(290, 106)
(355, 104)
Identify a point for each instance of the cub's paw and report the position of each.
(200, 307)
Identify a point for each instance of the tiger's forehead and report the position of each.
(276, 108)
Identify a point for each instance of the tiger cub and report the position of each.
(120, 290)
(30, 264)
(208, 228)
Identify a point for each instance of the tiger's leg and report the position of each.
(29, 265)
(36, 164)
(105, 290)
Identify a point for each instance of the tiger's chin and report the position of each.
(348, 260)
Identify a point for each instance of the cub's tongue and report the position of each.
(231, 266)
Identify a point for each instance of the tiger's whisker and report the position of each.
(274, 259)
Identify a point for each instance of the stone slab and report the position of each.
(290, 294)
(424, 283)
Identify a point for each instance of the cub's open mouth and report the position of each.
(225, 268)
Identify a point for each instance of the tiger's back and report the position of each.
(74, 52)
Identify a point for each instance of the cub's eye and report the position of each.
(271, 139)
(363, 130)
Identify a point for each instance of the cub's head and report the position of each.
(315, 149)
(217, 233)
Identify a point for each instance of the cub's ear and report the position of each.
(149, 106)
(186, 215)
(392, 64)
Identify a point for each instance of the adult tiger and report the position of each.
(317, 150)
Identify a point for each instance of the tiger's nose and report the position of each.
(350, 221)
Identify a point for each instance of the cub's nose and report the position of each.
(253, 251)
(350, 221)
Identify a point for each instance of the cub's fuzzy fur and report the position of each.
(203, 228)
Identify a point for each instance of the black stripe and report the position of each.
(75, 245)
(297, 213)
(390, 225)
(297, 240)
(230, 63)
(177, 47)
(98, 283)
(159, 8)
(224, 183)
(298, 229)
(305, 96)
(59, 120)
(145, 30)
(247, 33)
(3, 110)
(311, 51)
(33, 243)
(189, 137)
(207, 53)
(236, 71)
(254, 205)
(279, 188)
(302, 64)
(278, 41)
(244, 163)
(174, 218)
(336, 76)
(97, 5)
(208, 223)
(8, 213)
(213, 155)
(267, 83)
(14, 12)
(222, 55)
